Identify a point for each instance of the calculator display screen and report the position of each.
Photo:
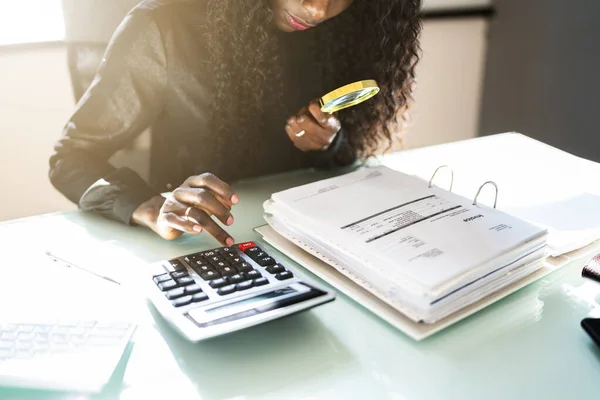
(253, 300)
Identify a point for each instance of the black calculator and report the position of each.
(226, 289)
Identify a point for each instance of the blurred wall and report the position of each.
(542, 75)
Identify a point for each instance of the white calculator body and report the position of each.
(219, 291)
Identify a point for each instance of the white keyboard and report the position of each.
(71, 356)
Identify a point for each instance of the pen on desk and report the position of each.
(69, 264)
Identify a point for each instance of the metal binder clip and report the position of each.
(451, 176)
(479, 191)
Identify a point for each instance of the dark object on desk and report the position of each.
(592, 328)
(591, 269)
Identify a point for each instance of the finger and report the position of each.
(315, 133)
(326, 120)
(292, 129)
(215, 185)
(204, 199)
(210, 226)
(180, 223)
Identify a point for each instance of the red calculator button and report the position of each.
(245, 246)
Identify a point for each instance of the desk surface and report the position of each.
(529, 345)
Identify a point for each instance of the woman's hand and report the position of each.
(313, 129)
(190, 208)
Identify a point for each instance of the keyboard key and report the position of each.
(161, 278)
(244, 285)
(284, 275)
(8, 327)
(8, 335)
(26, 328)
(237, 278)
(198, 297)
(167, 285)
(226, 290)
(178, 274)
(182, 301)
(193, 289)
(253, 274)
(228, 271)
(265, 261)
(275, 269)
(244, 267)
(210, 275)
(261, 282)
(175, 293)
(217, 283)
(186, 280)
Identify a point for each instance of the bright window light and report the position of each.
(31, 21)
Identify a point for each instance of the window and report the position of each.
(31, 21)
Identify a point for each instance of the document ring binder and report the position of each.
(436, 171)
(479, 191)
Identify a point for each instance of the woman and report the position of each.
(224, 86)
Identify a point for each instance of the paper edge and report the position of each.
(369, 301)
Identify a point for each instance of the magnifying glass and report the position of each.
(348, 96)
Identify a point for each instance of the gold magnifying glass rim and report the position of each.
(368, 84)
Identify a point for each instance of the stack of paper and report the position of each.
(423, 250)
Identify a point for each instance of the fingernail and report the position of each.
(197, 228)
(234, 199)
(229, 242)
(229, 220)
(300, 120)
(324, 120)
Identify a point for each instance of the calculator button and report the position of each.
(237, 278)
(244, 267)
(244, 285)
(198, 297)
(186, 280)
(265, 261)
(275, 269)
(215, 259)
(182, 301)
(253, 252)
(226, 290)
(236, 259)
(221, 264)
(230, 255)
(161, 278)
(208, 254)
(257, 254)
(178, 274)
(167, 285)
(210, 275)
(261, 282)
(225, 250)
(175, 293)
(245, 246)
(204, 268)
(193, 289)
(196, 262)
(217, 283)
(254, 274)
(228, 271)
(284, 275)
(175, 265)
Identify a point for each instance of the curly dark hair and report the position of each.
(372, 39)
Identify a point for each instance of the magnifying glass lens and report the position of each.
(349, 96)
